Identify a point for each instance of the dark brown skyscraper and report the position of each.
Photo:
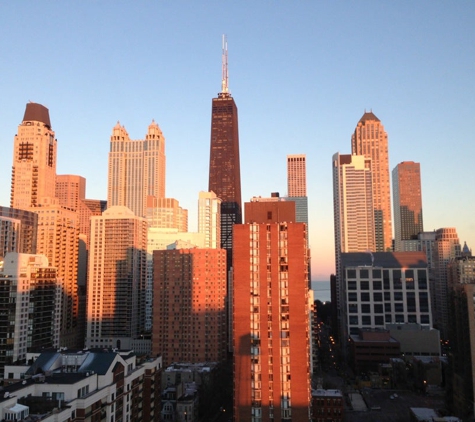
(224, 169)
(407, 200)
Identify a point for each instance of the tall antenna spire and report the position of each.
(224, 80)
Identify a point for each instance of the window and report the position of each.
(386, 279)
(377, 285)
(422, 279)
(365, 297)
(352, 297)
(351, 285)
(364, 285)
(350, 273)
(364, 274)
(366, 320)
(399, 307)
(365, 309)
(424, 319)
(353, 319)
(378, 297)
(378, 320)
(352, 308)
(378, 308)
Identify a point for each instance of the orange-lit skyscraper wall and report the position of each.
(116, 279)
(34, 159)
(271, 322)
(136, 169)
(296, 175)
(407, 199)
(70, 190)
(371, 140)
(189, 316)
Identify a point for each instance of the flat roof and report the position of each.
(384, 259)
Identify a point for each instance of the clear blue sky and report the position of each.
(302, 74)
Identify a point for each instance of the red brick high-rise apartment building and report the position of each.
(189, 314)
(271, 322)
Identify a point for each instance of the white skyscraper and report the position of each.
(209, 217)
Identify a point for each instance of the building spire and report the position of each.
(224, 79)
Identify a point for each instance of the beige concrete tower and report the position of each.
(58, 240)
(136, 169)
(371, 140)
(116, 279)
(34, 159)
(70, 190)
(296, 175)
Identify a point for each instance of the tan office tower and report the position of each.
(296, 175)
(209, 219)
(371, 140)
(271, 322)
(34, 159)
(136, 169)
(189, 314)
(57, 239)
(166, 213)
(407, 201)
(70, 190)
(116, 279)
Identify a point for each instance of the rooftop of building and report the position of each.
(384, 259)
(35, 112)
(367, 116)
(88, 360)
(186, 366)
(321, 392)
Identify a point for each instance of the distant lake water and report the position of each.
(321, 290)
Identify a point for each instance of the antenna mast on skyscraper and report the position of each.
(224, 80)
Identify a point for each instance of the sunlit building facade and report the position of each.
(271, 322)
(34, 159)
(189, 312)
(58, 240)
(407, 201)
(297, 175)
(371, 140)
(166, 213)
(30, 296)
(70, 190)
(209, 219)
(18, 230)
(136, 169)
(116, 279)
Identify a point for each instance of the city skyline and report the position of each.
(421, 89)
